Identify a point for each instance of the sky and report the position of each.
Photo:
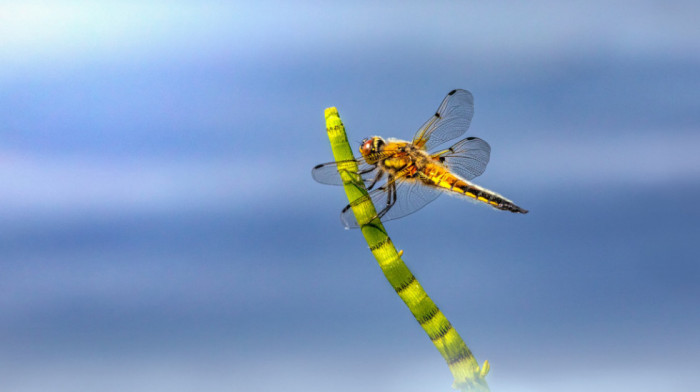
(160, 229)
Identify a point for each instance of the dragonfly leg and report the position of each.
(389, 195)
(376, 178)
(367, 170)
(390, 198)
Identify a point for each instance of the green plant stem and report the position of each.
(468, 376)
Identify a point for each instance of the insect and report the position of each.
(407, 177)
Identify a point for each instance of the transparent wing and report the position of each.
(328, 173)
(450, 121)
(411, 196)
(467, 158)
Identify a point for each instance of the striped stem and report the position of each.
(468, 376)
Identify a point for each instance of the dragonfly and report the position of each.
(402, 177)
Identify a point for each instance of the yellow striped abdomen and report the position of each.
(439, 176)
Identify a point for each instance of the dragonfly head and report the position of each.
(371, 147)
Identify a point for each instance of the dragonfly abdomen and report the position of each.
(447, 180)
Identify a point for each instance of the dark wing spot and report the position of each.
(471, 138)
(317, 166)
(452, 92)
(437, 114)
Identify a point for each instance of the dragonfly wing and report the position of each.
(450, 121)
(411, 196)
(329, 173)
(467, 158)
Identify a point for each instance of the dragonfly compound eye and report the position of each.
(366, 147)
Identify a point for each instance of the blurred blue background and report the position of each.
(160, 230)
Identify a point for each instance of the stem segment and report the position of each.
(468, 376)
